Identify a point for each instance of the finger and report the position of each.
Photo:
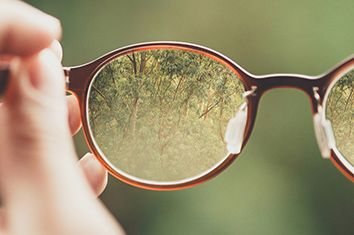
(39, 176)
(95, 173)
(25, 30)
(2, 218)
(74, 114)
(34, 100)
(35, 139)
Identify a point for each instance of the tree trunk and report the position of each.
(134, 116)
(209, 101)
(221, 123)
(187, 109)
(142, 63)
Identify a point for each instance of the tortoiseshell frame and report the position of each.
(79, 79)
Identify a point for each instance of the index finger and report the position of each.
(24, 30)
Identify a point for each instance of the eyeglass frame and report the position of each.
(79, 79)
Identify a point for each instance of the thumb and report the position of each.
(35, 139)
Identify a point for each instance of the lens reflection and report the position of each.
(161, 114)
(340, 111)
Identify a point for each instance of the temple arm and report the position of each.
(4, 77)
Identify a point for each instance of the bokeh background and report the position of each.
(279, 184)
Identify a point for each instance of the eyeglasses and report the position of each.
(171, 115)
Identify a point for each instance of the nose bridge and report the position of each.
(297, 81)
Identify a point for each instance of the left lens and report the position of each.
(340, 111)
(160, 114)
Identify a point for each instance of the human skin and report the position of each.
(43, 189)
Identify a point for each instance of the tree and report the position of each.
(161, 114)
(340, 111)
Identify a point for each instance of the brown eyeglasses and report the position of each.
(171, 115)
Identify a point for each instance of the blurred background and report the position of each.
(279, 184)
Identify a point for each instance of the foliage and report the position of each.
(161, 114)
(340, 111)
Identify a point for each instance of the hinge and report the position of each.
(67, 77)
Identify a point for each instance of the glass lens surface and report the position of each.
(340, 111)
(161, 114)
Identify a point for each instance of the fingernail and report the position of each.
(56, 48)
(87, 155)
(87, 159)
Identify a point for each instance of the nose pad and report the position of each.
(235, 130)
(324, 133)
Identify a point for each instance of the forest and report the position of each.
(340, 111)
(161, 114)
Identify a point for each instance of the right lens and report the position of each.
(340, 111)
(160, 114)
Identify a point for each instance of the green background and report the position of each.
(279, 184)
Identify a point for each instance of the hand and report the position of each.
(43, 190)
